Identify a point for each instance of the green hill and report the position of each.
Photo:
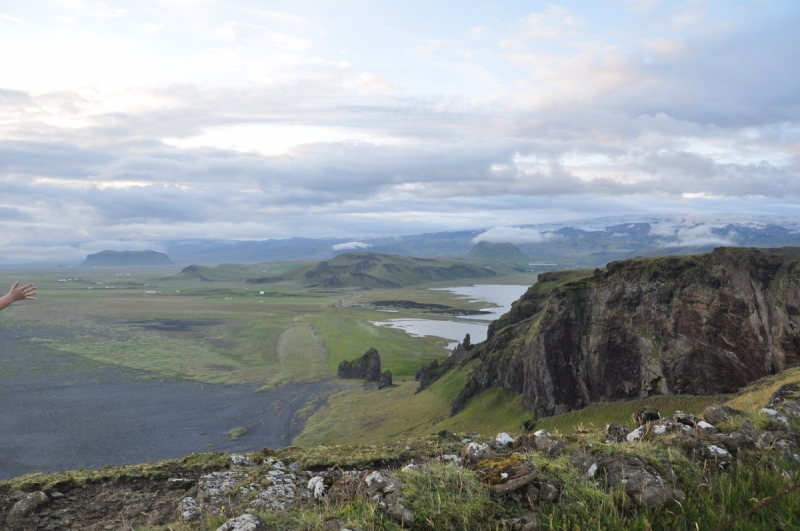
(376, 270)
(126, 258)
(503, 252)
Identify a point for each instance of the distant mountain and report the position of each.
(588, 243)
(375, 270)
(126, 258)
(503, 252)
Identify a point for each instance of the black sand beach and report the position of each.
(59, 412)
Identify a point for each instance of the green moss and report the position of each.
(237, 433)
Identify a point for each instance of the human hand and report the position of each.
(24, 293)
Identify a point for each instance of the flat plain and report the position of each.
(128, 326)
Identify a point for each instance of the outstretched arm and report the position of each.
(16, 293)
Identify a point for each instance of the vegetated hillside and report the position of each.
(230, 272)
(373, 270)
(126, 258)
(504, 252)
(696, 325)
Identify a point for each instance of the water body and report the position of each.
(455, 329)
(60, 412)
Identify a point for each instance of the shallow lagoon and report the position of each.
(455, 329)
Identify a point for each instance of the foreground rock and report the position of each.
(367, 367)
(519, 475)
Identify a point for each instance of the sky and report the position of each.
(123, 124)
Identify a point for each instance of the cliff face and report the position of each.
(696, 325)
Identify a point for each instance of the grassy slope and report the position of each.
(391, 271)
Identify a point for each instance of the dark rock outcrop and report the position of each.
(385, 380)
(700, 325)
(367, 367)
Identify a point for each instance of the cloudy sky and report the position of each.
(174, 119)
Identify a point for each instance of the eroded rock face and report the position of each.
(367, 367)
(697, 325)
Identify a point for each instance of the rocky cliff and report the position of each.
(699, 325)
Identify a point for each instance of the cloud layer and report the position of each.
(188, 119)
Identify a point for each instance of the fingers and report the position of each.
(15, 286)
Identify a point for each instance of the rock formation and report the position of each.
(367, 367)
(385, 380)
(699, 325)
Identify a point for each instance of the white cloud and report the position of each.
(351, 246)
(152, 27)
(701, 235)
(225, 32)
(9, 18)
(511, 235)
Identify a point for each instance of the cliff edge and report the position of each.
(699, 325)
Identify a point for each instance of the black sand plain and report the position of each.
(61, 412)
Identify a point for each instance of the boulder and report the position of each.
(544, 442)
(367, 367)
(506, 474)
(586, 463)
(385, 380)
(687, 419)
(191, 510)
(388, 492)
(28, 504)
(647, 414)
(637, 434)
(542, 491)
(704, 429)
(474, 453)
(786, 400)
(640, 481)
(616, 432)
(717, 413)
(504, 439)
(246, 522)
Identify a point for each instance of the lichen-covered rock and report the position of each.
(280, 495)
(216, 486)
(240, 460)
(367, 367)
(388, 492)
(641, 482)
(191, 510)
(616, 432)
(474, 453)
(246, 522)
(705, 429)
(506, 473)
(28, 504)
(545, 443)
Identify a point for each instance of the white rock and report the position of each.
(240, 460)
(637, 434)
(246, 522)
(465, 441)
(452, 458)
(592, 470)
(659, 430)
(504, 439)
(541, 433)
(719, 451)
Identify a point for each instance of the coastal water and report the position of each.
(456, 328)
